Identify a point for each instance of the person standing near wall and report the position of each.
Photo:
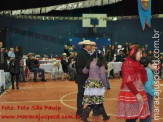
(126, 48)
(3, 58)
(15, 66)
(66, 50)
(103, 49)
(106, 72)
(112, 52)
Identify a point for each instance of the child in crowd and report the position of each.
(149, 85)
(11, 53)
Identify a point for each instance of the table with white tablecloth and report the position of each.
(116, 66)
(110, 67)
(47, 67)
(7, 77)
(51, 66)
(43, 61)
(2, 80)
(54, 69)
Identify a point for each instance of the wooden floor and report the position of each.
(55, 101)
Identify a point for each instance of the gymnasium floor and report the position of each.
(36, 102)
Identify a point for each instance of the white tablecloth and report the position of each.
(110, 67)
(53, 69)
(7, 77)
(47, 67)
(48, 61)
(2, 79)
(116, 66)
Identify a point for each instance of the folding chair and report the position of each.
(28, 75)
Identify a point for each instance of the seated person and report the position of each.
(72, 69)
(33, 66)
(72, 55)
(120, 57)
(64, 63)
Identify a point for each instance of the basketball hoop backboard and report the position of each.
(99, 19)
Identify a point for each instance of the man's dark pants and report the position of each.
(36, 70)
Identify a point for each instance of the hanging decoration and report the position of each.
(114, 18)
(69, 6)
(144, 8)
